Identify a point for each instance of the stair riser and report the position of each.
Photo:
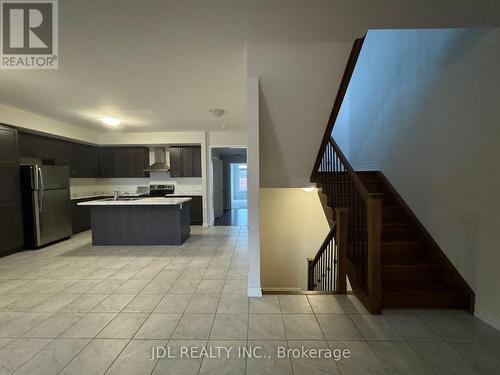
(394, 216)
(376, 187)
(420, 301)
(396, 253)
(399, 233)
(369, 177)
(387, 200)
(395, 233)
(408, 273)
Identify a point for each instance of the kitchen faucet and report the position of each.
(117, 194)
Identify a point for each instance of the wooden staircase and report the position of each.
(387, 254)
(415, 272)
(375, 239)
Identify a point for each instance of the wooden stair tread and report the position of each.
(402, 223)
(402, 243)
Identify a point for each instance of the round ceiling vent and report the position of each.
(217, 112)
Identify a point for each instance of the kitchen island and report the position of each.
(139, 221)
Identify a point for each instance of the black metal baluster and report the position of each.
(341, 178)
(334, 267)
(326, 268)
(321, 274)
(334, 181)
(314, 275)
(330, 266)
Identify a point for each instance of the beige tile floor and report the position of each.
(76, 309)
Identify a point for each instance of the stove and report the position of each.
(161, 190)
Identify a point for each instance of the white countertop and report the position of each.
(179, 194)
(137, 202)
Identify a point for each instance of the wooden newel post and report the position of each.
(341, 239)
(310, 274)
(374, 222)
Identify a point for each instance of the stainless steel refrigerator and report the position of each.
(46, 204)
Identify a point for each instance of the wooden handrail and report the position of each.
(352, 175)
(344, 84)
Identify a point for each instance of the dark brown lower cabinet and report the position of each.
(11, 219)
(80, 215)
(11, 230)
(196, 208)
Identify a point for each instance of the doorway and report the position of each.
(229, 171)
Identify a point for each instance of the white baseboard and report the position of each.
(366, 167)
(487, 317)
(254, 292)
(278, 290)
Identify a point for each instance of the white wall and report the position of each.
(253, 123)
(293, 227)
(228, 138)
(34, 122)
(424, 105)
(298, 84)
(81, 187)
(299, 50)
(341, 129)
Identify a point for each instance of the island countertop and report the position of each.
(136, 202)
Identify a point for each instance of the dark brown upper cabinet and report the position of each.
(185, 161)
(139, 159)
(8, 141)
(124, 161)
(86, 161)
(49, 150)
(107, 162)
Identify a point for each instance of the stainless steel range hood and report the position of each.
(159, 165)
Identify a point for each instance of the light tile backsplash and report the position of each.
(84, 187)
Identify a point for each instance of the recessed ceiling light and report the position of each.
(223, 126)
(112, 121)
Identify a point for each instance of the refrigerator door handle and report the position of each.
(40, 176)
(40, 201)
(36, 216)
(42, 188)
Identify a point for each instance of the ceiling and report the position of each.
(159, 67)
